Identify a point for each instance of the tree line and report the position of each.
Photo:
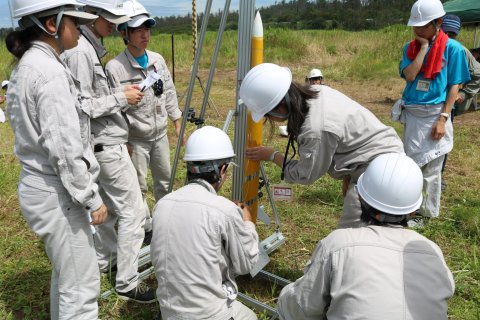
(352, 15)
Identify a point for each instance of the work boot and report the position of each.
(142, 294)
(148, 238)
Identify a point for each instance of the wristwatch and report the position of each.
(445, 115)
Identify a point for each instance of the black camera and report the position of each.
(158, 88)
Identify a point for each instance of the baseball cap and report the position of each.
(139, 20)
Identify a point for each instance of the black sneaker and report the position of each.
(142, 294)
(148, 238)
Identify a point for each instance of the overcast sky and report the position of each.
(159, 8)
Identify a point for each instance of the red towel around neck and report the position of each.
(435, 55)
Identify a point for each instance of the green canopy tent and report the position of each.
(469, 13)
(467, 10)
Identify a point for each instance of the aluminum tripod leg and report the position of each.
(189, 94)
(221, 29)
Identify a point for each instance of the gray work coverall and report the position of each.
(119, 187)
(340, 137)
(200, 243)
(148, 121)
(373, 273)
(57, 180)
(471, 88)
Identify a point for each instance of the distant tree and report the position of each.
(311, 14)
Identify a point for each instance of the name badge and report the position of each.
(423, 85)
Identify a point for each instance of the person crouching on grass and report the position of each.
(201, 240)
(380, 271)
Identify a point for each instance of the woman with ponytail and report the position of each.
(57, 191)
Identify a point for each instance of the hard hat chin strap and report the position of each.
(55, 34)
(282, 115)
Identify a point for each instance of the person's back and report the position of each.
(360, 136)
(381, 271)
(204, 243)
(377, 273)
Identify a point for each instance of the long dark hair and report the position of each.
(18, 42)
(299, 95)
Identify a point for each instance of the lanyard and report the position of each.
(291, 142)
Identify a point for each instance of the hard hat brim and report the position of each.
(256, 117)
(83, 17)
(412, 23)
(139, 20)
(113, 18)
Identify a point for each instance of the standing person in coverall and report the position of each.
(381, 271)
(341, 141)
(201, 240)
(433, 66)
(118, 184)
(148, 121)
(57, 191)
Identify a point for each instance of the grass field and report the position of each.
(363, 65)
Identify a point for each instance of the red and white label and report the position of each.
(281, 192)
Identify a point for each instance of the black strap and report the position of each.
(291, 142)
(199, 182)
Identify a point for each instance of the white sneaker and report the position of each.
(417, 222)
(283, 131)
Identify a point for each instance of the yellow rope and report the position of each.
(194, 27)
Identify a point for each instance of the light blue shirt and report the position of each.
(454, 71)
(143, 60)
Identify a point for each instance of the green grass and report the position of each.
(363, 65)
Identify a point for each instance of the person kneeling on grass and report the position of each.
(201, 240)
(381, 271)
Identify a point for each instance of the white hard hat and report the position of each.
(208, 143)
(424, 11)
(5, 84)
(111, 10)
(392, 184)
(315, 73)
(263, 87)
(23, 8)
(137, 12)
